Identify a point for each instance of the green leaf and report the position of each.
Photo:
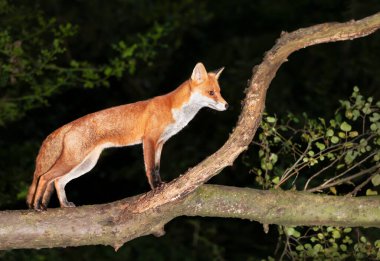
(334, 139)
(320, 146)
(350, 156)
(291, 231)
(347, 230)
(376, 157)
(318, 247)
(342, 135)
(345, 126)
(348, 114)
(297, 234)
(343, 247)
(355, 114)
(333, 190)
(313, 161)
(339, 166)
(271, 119)
(74, 64)
(276, 180)
(353, 134)
(359, 102)
(336, 234)
(266, 165)
(329, 133)
(367, 109)
(371, 192)
(376, 180)
(273, 158)
(108, 71)
(308, 246)
(23, 192)
(375, 117)
(88, 84)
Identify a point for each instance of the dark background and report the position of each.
(234, 34)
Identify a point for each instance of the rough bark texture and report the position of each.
(102, 224)
(116, 223)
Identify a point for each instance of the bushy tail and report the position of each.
(32, 191)
(49, 152)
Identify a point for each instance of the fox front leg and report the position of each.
(152, 154)
(157, 158)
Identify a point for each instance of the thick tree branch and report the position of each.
(119, 222)
(101, 224)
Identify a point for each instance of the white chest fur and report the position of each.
(183, 115)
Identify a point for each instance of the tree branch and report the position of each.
(101, 224)
(116, 223)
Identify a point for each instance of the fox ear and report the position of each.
(199, 74)
(218, 72)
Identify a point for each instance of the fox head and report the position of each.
(205, 88)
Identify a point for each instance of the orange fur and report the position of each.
(73, 149)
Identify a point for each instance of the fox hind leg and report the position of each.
(85, 166)
(60, 188)
(47, 194)
(59, 175)
(45, 180)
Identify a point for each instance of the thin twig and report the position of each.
(341, 181)
(286, 173)
(322, 170)
(358, 188)
(349, 169)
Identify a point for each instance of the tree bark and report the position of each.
(119, 222)
(107, 224)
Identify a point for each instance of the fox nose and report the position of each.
(226, 106)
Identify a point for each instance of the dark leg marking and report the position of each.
(157, 182)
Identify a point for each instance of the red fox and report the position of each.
(73, 149)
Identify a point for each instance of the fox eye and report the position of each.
(211, 93)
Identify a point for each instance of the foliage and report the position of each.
(325, 243)
(318, 154)
(338, 156)
(36, 61)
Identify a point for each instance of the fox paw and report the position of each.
(40, 207)
(68, 205)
